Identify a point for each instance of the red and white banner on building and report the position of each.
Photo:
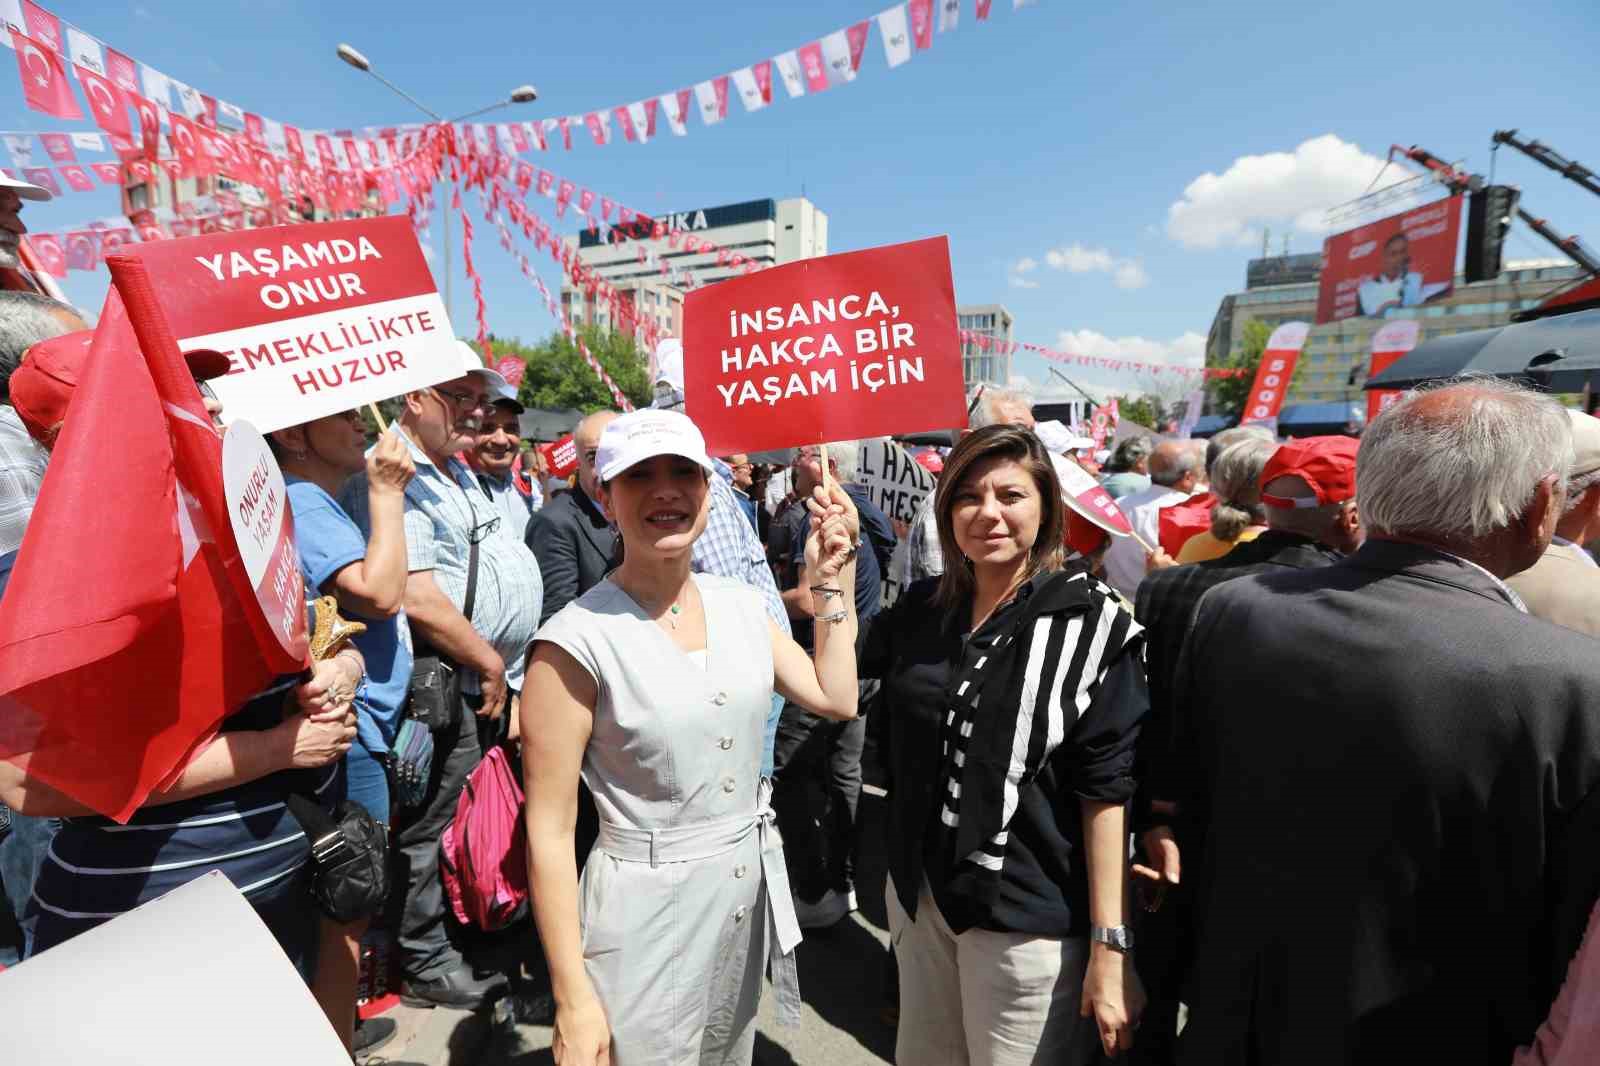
(1274, 373)
(316, 319)
(1389, 343)
(861, 344)
(1404, 260)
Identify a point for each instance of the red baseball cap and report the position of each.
(41, 387)
(1326, 464)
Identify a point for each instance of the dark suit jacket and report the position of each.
(574, 545)
(1390, 772)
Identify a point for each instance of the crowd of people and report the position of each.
(1307, 782)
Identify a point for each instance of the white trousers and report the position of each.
(981, 998)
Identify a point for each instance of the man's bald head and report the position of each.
(1177, 464)
(586, 439)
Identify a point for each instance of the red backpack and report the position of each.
(484, 851)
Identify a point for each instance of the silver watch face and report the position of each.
(1118, 937)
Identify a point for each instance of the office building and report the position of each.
(979, 365)
(1334, 362)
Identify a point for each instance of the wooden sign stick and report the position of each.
(383, 427)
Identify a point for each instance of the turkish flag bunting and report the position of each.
(78, 178)
(43, 177)
(815, 70)
(58, 146)
(110, 173)
(149, 125)
(857, 36)
(763, 76)
(921, 22)
(123, 72)
(291, 140)
(519, 137)
(52, 257)
(983, 9)
(83, 253)
(566, 132)
(625, 121)
(106, 102)
(44, 78)
(564, 196)
(157, 600)
(44, 26)
(585, 200)
(650, 107)
(185, 139)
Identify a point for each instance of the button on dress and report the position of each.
(684, 896)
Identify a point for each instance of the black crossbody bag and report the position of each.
(349, 858)
(434, 698)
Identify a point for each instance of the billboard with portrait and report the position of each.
(1405, 260)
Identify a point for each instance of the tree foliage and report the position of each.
(557, 375)
(1228, 395)
(1147, 410)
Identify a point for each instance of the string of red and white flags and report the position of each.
(993, 344)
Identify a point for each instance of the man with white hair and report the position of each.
(987, 407)
(1564, 585)
(1388, 764)
(1176, 469)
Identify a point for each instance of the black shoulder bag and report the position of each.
(435, 693)
(349, 858)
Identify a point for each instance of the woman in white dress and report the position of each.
(655, 686)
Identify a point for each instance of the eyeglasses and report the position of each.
(482, 530)
(207, 391)
(463, 401)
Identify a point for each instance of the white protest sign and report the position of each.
(897, 484)
(315, 319)
(175, 981)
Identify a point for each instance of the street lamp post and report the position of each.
(522, 94)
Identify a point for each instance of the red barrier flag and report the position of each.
(44, 78)
(110, 681)
(106, 102)
(1274, 373)
(859, 344)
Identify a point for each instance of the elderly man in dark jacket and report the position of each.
(1390, 762)
(569, 535)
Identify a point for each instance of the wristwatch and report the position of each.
(1117, 937)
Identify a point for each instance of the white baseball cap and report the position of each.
(472, 363)
(666, 372)
(25, 189)
(640, 435)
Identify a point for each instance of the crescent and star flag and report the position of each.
(106, 102)
(78, 178)
(111, 680)
(44, 78)
(47, 246)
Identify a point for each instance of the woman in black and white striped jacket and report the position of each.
(1013, 691)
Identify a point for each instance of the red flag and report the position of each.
(186, 141)
(255, 129)
(44, 78)
(811, 63)
(325, 154)
(650, 107)
(625, 121)
(564, 193)
(585, 200)
(43, 177)
(857, 37)
(109, 173)
(566, 132)
(291, 140)
(78, 178)
(1183, 520)
(983, 9)
(45, 27)
(762, 72)
(157, 600)
(149, 125)
(52, 257)
(598, 128)
(83, 250)
(106, 102)
(58, 146)
(123, 72)
(921, 12)
(519, 137)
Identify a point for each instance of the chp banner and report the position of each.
(854, 345)
(1274, 374)
(316, 318)
(1389, 343)
(1404, 260)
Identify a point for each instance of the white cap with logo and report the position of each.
(472, 363)
(639, 435)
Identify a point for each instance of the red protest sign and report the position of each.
(861, 344)
(561, 456)
(316, 319)
(1274, 373)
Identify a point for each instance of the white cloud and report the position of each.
(1283, 190)
(1020, 267)
(1076, 259)
(1187, 349)
(1130, 275)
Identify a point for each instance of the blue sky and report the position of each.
(1061, 134)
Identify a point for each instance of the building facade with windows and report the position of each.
(1334, 362)
(980, 365)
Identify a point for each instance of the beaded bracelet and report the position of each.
(837, 616)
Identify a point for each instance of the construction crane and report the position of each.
(1570, 169)
(1459, 181)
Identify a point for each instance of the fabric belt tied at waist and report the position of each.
(690, 843)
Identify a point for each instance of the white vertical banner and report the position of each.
(788, 65)
(641, 121)
(706, 93)
(949, 15)
(744, 80)
(85, 51)
(836, 55)
(670, 108)
(272, 130)
(157, 86)
(189, 100)
(896, 35)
